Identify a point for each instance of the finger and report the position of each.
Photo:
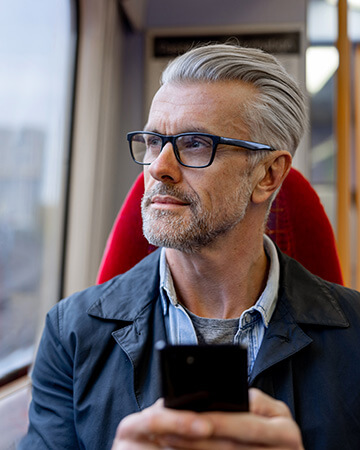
(248, 428)
(264, 405)
(157, 421)
(178, 443)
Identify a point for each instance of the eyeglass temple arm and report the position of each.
(245, 144)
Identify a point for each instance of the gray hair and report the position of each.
(276, 116)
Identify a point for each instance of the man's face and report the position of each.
(187, 208)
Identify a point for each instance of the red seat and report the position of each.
(297, 224)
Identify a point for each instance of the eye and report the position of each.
(152, 141)
(194, 142)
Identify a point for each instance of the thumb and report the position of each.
(264, 405)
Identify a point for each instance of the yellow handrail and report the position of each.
(343, 143)
(357, 158)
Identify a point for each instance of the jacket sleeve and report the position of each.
(51, 415)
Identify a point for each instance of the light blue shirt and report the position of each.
(252, 322)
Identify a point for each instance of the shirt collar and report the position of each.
(266, 303)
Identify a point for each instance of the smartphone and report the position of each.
(204, 377)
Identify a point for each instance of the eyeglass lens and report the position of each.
(192, 149)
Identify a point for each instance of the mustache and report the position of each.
(173, 191)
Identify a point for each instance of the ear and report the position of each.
(272, 172)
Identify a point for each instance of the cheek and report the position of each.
(232, 184)
(212, 193)
(211, 186)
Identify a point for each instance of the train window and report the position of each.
(322, 63)
(322, 60)
(37, 49)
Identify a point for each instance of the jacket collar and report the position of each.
(309, 299)
(126, 296)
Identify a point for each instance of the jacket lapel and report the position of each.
(282, 339)
(132, 299)
(303, 300)
(138, 342)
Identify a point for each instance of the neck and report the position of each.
(220, 281)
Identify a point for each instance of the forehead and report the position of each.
(215, 107)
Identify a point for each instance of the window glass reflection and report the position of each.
(37, 50)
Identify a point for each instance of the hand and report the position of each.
(268, 425)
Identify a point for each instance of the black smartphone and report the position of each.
(204, 377)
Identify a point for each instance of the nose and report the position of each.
(166, 167)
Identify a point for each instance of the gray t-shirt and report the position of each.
(214, 331)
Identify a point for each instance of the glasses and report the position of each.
(195, 150)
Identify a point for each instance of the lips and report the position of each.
(167, 200)
(164, 197)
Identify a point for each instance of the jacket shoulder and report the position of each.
(315, 300)
(119, 299)
(348, 299)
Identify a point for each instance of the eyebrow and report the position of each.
(186, 130)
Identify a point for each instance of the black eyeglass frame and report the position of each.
(248, 145)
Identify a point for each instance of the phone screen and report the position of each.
(204, 377)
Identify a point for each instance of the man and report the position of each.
(218, 143)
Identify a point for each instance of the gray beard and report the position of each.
(164, 228)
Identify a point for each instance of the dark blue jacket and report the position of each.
(96, 362)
